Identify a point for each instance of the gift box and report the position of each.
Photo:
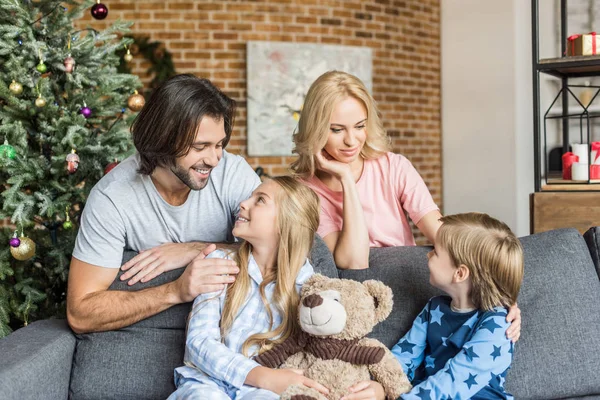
(583, 45)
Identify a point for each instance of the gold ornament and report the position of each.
(128, 57)
(136, 102)
(25, 251)
(40, 102)
(16, 88)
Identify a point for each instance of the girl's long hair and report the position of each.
(297, 222)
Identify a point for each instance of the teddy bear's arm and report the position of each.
(276, 356)
(361, 355)
(388, 371)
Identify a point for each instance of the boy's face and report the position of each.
(441, 269)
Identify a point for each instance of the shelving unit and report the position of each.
(559, 203)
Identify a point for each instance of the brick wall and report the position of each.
(208, 39)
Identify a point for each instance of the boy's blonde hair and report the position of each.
(491, 252)
(313, 127)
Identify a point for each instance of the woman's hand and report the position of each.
(514, 317)
(366, 390)
(328, 164)
(278, 380)
(148, 264)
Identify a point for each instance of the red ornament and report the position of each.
(72, 160)
(99, 10)
(110, 166)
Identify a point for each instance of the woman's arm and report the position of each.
(350, 247)
(429, 225)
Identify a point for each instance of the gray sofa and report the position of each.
(558, 355)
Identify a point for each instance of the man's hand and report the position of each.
(514, 317)
(204, 276)
(366, 390)
(152, 262)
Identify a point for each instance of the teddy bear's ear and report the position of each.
(311, 281)
(383, 297)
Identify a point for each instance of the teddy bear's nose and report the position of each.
(312, 301)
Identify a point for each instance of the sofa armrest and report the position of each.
(592, 239)
(36, 361)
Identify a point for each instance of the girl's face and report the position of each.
(257, 220)
(347, 130)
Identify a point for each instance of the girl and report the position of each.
(259, 309)
(456, 347)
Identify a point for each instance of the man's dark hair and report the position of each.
(167, 125)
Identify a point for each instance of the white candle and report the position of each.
(579, 171)
(581, 150)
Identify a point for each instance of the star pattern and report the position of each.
(478, 342)
(424, 394)
(490, 325)
(436, 316)
(471, 380)
(406, 346)
(471, 353)
(429, 362)
(496, 353)
(424, 316)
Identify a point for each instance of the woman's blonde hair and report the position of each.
(491, 252)
(297, 222)
(313, 127)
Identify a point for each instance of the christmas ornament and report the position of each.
(25, 250)
(7, 151)
(16, 88)
(41, 67)
(99, 10)
(110, 166)
(14, 241)
(67, 224)
(69, 63)
(72, 162)
(136, 102)
(40, 102)
(128, 57)
(86, 111)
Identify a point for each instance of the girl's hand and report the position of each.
(328, 164)
(366, 390)
(278, 380)
(514, 317)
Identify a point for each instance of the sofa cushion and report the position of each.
(405, 270)
(558, 354)
(137, 362)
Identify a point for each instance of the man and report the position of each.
(178, 192)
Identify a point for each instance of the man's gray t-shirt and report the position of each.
(125, 211)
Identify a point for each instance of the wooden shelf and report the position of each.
(560, 185)
(571, 67)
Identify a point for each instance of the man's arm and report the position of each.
(149, 264)
(91, 307)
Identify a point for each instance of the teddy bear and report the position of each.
(335, 315)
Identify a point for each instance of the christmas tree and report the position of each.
(63, 120)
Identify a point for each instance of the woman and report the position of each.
(365, 190)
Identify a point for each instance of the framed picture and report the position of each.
(279, 75)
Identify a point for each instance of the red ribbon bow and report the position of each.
(572, 39)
